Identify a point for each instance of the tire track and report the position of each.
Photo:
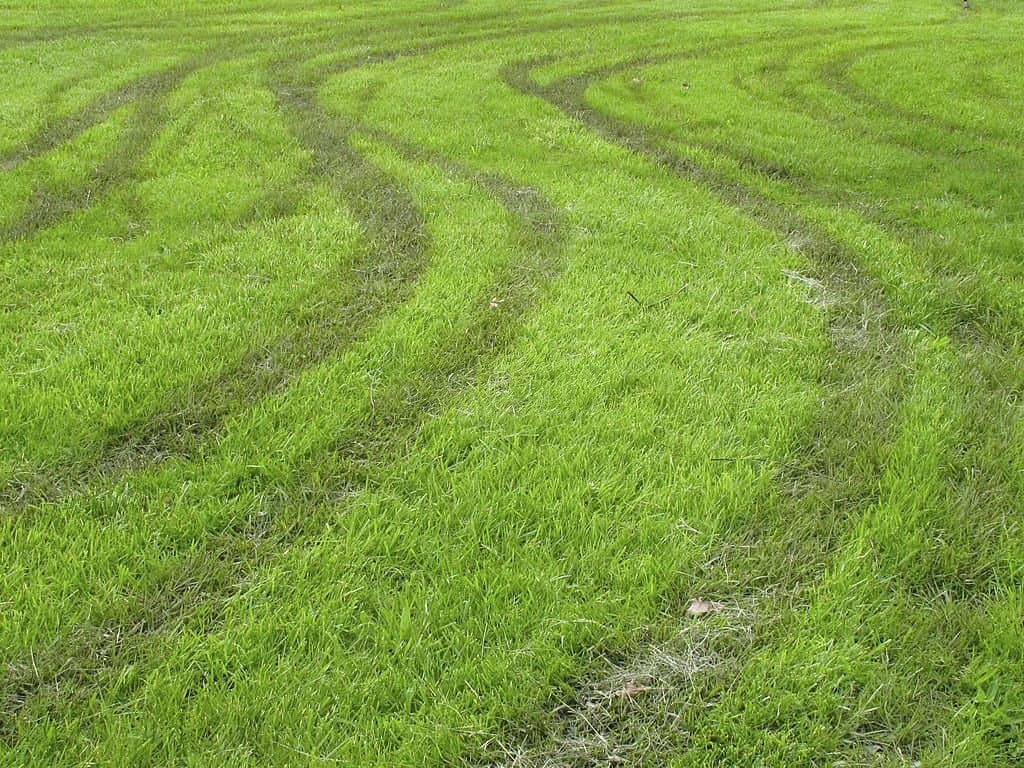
(863, 370)
(968, 319)
(150, 96)
(836, 75)
(389, 260)
(396, 244)
(83, 667)
(854, 123)
(836, 479)
(864, 382)
(68, 128)
(195, 415)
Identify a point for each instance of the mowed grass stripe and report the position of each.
(66, 129)
(379, 276)
(147, 119)
(984, 312)
(982, 441)
(206, 577)
(439, 540)
(183, 425)
(842, 453)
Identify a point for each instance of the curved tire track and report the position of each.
(92, 657)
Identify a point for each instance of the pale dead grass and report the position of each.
(633, 710)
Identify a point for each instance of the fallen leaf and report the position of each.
(700, 607)
(629, 691)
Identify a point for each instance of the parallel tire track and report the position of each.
(91, 658)
(195, 415)
(864, 380)
(837, 479)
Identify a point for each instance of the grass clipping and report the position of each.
(637, 708)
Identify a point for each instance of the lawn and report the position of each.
(549, 383)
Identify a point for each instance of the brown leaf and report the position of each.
(701, 607)
(629, 691)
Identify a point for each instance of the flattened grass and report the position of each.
(387, 382)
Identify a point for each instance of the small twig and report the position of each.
(672, 295)
(657, 302)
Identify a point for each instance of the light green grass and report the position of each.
(382, 383)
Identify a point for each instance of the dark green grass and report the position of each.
(384, 383)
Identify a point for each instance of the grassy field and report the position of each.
(383, 382)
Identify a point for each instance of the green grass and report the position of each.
(383, 381)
